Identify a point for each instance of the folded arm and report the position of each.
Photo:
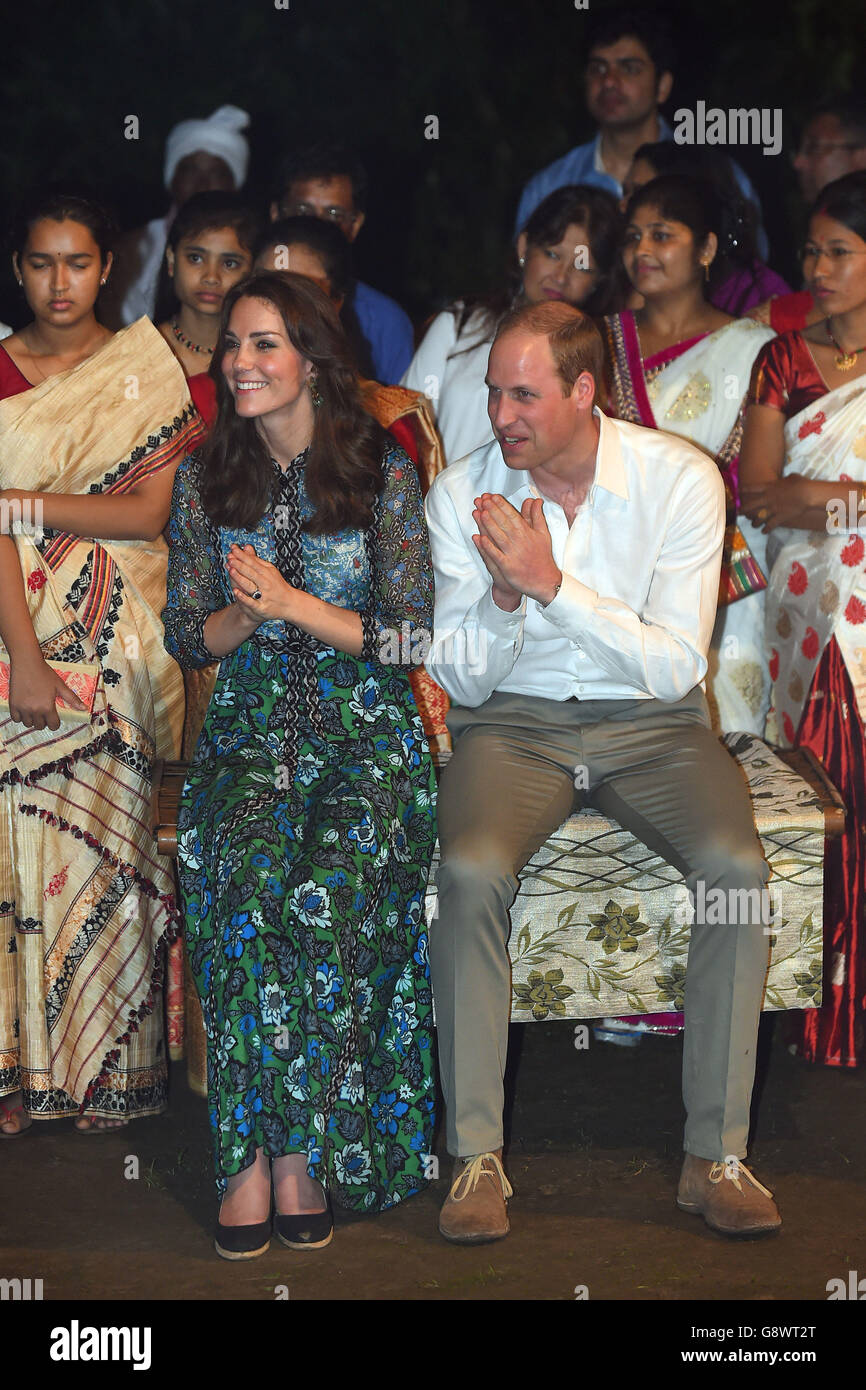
(140, 514)
(771, 497)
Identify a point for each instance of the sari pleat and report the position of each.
(816, 637)
(832, 729)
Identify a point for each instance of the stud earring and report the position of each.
(521, 261)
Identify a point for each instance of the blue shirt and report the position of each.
(583, 165)
(388, 331)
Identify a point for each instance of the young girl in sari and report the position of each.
(91, 429)
(209, 249)
(803, 479)
(299, 558)
(680, 364)
(569, 249)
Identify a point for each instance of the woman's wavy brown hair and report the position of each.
(343, 473)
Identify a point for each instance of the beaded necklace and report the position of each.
(186, 342)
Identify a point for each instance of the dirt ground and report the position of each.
(593, 1153)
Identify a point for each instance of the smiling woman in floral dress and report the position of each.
(298, 549)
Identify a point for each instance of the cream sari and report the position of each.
(817, 584)
(697, 390)
(87, 904)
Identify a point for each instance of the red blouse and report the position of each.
(785, 376)
(202, 390)
(790, 311)
(12, 382)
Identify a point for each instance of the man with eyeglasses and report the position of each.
(627, 78)
(833, 143)
(326, 181)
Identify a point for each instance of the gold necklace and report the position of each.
(845, 360)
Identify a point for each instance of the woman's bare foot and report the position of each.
(296, 1194)
(247, 1199)
(13, 1117)
(87, 1123)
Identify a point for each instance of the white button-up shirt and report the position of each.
(640, 577)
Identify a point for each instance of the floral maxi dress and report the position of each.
(305, 833)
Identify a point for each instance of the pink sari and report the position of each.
(632, 378)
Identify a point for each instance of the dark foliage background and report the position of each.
(503, 78)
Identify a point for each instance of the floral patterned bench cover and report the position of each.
(600, 924)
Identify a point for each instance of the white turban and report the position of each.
(219, 134)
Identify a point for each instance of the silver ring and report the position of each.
(256, 593)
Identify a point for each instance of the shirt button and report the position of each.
(580, 689)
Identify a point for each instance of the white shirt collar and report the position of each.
(609, 466)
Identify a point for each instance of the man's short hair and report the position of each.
(849, 111)
(322, 161)
(575, 342)
(648, 25)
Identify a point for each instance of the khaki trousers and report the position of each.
(660, 771)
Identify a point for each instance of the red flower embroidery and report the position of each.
(856, 610)
(798, 579)
(809, 646)
(788, 727)
(35, 580)
(813, 426)
(853, 552)
(774, 665)
(57, 883)
(398, 473)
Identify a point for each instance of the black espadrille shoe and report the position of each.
(310, 1231)
(242, 1242)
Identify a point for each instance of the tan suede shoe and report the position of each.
(474, 1210)
(729, 1198)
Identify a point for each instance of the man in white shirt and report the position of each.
(577, 566)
